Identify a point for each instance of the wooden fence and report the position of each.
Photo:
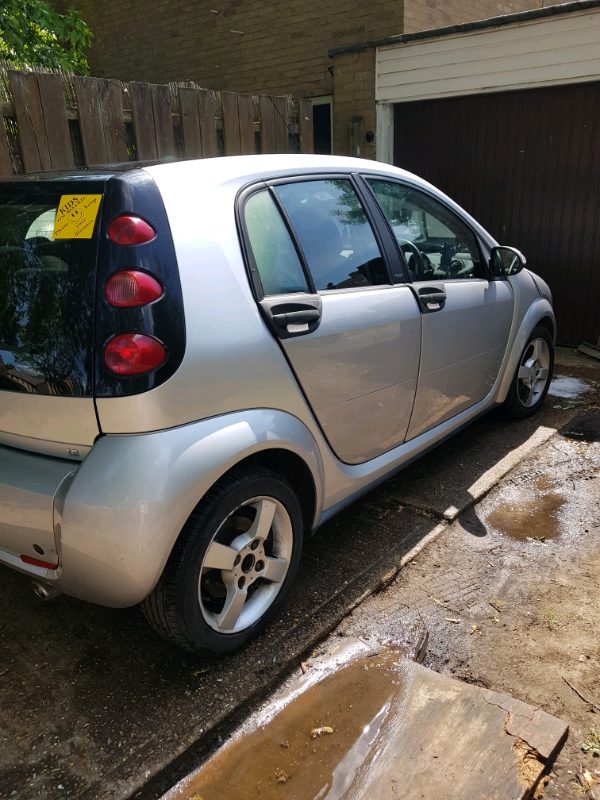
(56, 121)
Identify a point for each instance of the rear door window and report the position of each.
(334, 233)
(46, 294)
(277, 262)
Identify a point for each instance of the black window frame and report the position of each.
(393, 263)
(392, 179)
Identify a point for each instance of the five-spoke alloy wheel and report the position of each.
(533, 375)
(232, 565)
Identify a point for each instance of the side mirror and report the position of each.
(506, 261)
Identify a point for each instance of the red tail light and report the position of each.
(129, 230)
(132, 288)
(133, 354)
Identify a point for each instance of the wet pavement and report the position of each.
(95, 705)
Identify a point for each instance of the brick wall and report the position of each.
(277, 46)
(354, 103)
(420, 15)
(250, 45)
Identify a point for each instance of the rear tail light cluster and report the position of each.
(130, 288)
(132, 353)
(128, 230)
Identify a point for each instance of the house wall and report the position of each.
(275, 46)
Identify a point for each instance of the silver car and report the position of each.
(202, 362)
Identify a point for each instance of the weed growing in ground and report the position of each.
(591, 743)
(550, 619)
(497, 603)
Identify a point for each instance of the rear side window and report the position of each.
(46, 293)
(277, 262)
(334, 234)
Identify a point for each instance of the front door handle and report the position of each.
(432, 298)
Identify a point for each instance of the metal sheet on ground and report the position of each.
(367, 723)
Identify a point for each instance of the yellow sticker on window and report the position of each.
(76, 216)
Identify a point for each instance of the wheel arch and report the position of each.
(153, 482)
(548, 323)
(297, 473)
(539, 313)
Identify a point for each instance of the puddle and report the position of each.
(314, 748)
(567, 388)
(584, 428)
(528, 512)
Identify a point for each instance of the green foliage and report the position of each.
(32, 33)
(591, 743)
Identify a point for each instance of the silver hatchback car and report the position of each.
(202, 362)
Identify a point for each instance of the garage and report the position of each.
(504, 116)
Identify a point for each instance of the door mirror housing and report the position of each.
(506, 261)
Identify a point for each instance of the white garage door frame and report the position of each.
(549, 51)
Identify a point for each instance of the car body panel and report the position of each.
(462, 349)
(129, 499)
(358, 369)
(69, 422)
(29, 484)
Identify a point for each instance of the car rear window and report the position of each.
(48, 241)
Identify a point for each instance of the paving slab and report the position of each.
(368, 723)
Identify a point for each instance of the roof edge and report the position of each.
(466, 27)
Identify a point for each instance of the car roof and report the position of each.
(245, 169)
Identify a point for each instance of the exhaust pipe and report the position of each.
(44, 591)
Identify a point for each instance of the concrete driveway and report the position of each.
(95, 705)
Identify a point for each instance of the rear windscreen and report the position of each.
(48, 243)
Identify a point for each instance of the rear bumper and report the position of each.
(127, 502)
(32, 488)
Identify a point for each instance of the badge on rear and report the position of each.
(76, 216)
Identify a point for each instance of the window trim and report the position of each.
(247, 255)
(392, 179)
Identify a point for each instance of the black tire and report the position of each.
(515, 405)
(184, 606)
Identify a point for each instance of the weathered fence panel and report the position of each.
(30, 119)
(90, 120)
(113, 120)
(267, 116)
(208, 123)
(246, 115)
(55, 121)
(190, 122)
(6, 168)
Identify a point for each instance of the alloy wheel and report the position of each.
(534, 372)
(245, 565)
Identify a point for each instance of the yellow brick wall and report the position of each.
(420, 15)
(353, 98)
(281, 46)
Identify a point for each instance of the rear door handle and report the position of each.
(297, 317)
(292, 315)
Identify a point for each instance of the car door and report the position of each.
(351, 336)
(466, 317)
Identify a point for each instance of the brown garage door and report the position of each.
(526, 165)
